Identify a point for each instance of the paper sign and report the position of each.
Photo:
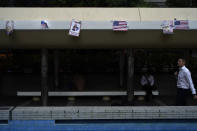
(75, 28)
(181, 24)
(44, 24)
(167, 27)
(9, 27)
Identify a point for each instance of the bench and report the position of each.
(73, 93)
(143, 93)
(84, 93)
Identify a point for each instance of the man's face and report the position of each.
(180, 62)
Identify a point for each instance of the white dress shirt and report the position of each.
(185, 80)
(144, 80)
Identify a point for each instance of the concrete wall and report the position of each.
(97, 14)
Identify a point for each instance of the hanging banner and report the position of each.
(75, 28)
(44, 24)
(120, 26)
(167, 27)
(181, 24)
(10, 27)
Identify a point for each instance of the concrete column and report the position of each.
(44, 77)
(56, 68)
(122, 65)
(187, 56)
(130, 75)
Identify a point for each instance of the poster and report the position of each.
(10, 27)
(44, 24)
(167, 27)
(75, 28)
(120, 26)
(181, 24)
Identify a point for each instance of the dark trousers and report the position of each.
(148, 90)
(181, 96)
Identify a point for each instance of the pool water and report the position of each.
(99, 125)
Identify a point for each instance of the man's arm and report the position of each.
(191, 85)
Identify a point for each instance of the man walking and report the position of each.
(184, 83)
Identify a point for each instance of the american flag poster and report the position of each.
(120, 26)
(181, 24)
(167, 27)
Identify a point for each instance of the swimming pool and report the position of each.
(99, 125)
